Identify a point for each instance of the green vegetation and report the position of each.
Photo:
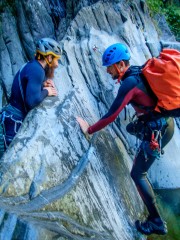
(172, 14)
(11, 4)
(173, 222)
(155, 6)
(171, 11)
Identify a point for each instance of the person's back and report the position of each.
(32, 76)
(30, 86)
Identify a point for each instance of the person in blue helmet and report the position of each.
(31, 85)
(133, 90)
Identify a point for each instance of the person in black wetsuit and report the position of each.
(133, 90)
(31, 85)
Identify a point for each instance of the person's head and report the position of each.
(116, 58)
(48, 50)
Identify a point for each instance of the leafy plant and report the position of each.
(155, 6)
(171, 12)
(173, 222)
(11, 4)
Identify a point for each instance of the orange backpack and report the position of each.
(163, 77)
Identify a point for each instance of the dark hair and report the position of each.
(39, 56)
(126, 62)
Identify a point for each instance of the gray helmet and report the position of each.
(47, 46)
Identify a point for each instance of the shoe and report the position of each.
(150, 226)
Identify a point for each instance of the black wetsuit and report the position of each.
(133, 91)
(32, 76)
(143, 161)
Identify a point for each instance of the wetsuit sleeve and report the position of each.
(35, 93)
(125, 94)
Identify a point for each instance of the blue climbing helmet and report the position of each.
(114, 54)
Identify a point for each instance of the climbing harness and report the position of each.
(3, 129)
(150, 133)
(154, 143)
(15, 115)
(154, 146)
(17, 124)
(156, 127)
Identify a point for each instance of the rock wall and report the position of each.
(55, 183)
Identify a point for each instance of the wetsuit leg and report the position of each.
(141, 165)
(139, 176)
(168, 132)
(11, 128)
(12, 120)
(136, 128)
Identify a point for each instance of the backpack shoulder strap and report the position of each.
(20, 86)
(5, 91)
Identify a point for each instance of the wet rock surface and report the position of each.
(54, 183)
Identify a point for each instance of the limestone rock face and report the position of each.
(55, 183)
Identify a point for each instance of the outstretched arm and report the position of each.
(35, 92)
(125, 95)
(83, 125)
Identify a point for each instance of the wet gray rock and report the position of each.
(54, 182)
(12, 55)
(164, 30)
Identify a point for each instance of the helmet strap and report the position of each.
(48, 63)
(120, 73)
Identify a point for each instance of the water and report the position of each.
(169, 203)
